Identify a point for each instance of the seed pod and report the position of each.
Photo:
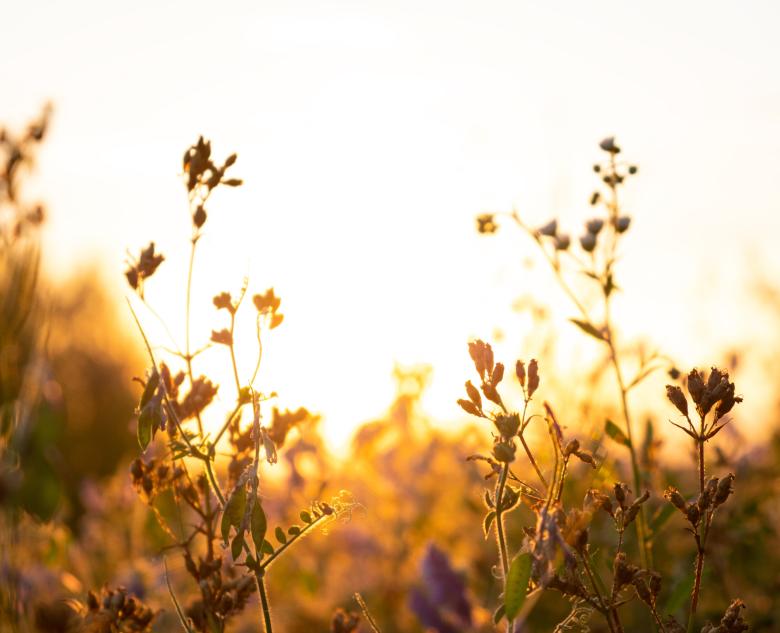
(724, 490)
(622, 224)
(562, 242)
(508, 425)
(677, 398)
(572, 446)
(473, 394)
(588, 242)
(620, 493)
(498, 374)
(693, 514)
(504, 452)
(594, 226)
(520, 372)
(695, 385)
(676, 499)
(549, 229)
(491, 393)
(608, 145)
(533, 377)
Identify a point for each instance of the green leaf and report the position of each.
(293, 530)
(149, 389)
(237, 546)
(499, 613)
(267, 548)
(280, 535)
(517, 584)
(258, 524)
(588, 328)
(661, 517)
(147, 420)
(489, 518)
(305, 517)
(234, 511)
(616, 433)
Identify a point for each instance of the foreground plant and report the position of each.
(229, 549)
(555, 552)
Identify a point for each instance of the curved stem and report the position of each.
(259, 580)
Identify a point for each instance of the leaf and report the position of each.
(293, 530)
(146, 422)
(280, 535)
(267, 548)
(234, 511)
(258, 524)
(489, 518)
(517, 584)
(588, 328)
(149, 389)
(237, 546)
(616, 433)
(305, 516)
(498, 614)
(661, 517)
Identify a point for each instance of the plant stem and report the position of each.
(700, 552)
(188, 355)
(606, 610)
(502, 548)
(264, 601)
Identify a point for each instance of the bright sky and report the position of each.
(371, 133)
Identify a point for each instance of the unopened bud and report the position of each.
(622, 224)
(588, 242)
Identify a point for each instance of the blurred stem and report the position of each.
(700, 541)
(609, 612)
(187, 352)
(502, 548)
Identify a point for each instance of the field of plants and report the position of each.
(135, 500)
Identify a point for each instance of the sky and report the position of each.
(370, 134)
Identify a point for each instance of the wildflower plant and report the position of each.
(555, 552)
(232, 544)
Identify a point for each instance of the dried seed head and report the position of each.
(588, 242)
(693, 514)
(724, 490)
(508, 425)
(498, 374)
(504, 452)
(549, 229)
(695, 385)
(677, 398)
(608, 145)
(620, 490)
(491, 393)
(622, 223)
(473, 394)
(562, 242)
(623, 572)
(572, 446)
(533, 377)
(199, 217)
(594, 226)
(520, 372)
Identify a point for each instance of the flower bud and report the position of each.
(562, 242)
(622, 224)
(504, 452)
(677, 398)
(608, 145)
(549, 229)
(594, 226)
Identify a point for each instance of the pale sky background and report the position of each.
(369, 136)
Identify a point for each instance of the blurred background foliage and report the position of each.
(415, 549)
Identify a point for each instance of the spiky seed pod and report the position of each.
(676, 499)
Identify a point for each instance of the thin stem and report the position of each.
(267, 562)
(366, 613)
(533, 461)
(602, 602)
(700, 551)
(188, 355)
(502, 548)
(259, 580)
